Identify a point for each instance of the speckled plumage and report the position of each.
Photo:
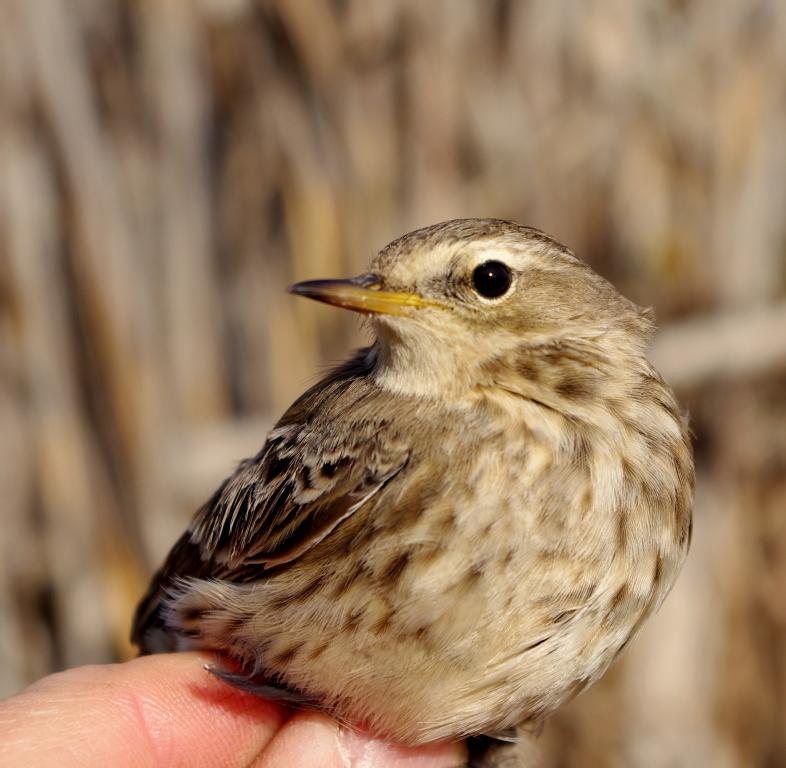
(460, 528)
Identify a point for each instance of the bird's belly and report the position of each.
(495, 627)
(489, 610)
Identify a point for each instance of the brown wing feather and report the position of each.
(312, 474)
(264, 517)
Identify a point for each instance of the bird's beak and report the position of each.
(361, 294)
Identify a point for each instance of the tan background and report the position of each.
(166, 168)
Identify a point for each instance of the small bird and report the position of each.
(461, 527)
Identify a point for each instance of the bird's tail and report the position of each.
(149, 629)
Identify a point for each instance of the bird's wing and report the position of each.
(307, 480)
(330, 453)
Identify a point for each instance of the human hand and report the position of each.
(166, 710)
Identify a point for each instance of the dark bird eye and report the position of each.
(492, 279)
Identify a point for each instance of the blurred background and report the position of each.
(167, 168)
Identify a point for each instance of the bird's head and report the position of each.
(450, 302)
